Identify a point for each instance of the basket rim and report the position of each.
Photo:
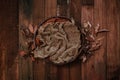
(60, 17)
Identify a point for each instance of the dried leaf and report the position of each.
(97, 28)
(31, 28)
(90, 38)
(32, 58)
(103, 30)
(22, 53)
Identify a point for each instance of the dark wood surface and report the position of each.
(113, 53)
(104, 64)
(9, 40)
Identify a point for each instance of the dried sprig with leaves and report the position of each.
(90, 40)
(26, 40)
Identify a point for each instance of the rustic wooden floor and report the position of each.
(104, 64)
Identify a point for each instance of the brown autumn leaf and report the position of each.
(90, 38)
(31, 28)
(22, 53)
(97, 28)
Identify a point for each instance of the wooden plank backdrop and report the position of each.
(104, 64)
(9, 40)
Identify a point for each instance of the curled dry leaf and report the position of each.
(31, 28)
(97, 28)
(22, 53)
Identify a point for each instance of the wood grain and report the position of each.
(104, 64)
(37, 17)
(25, 18)
(64, 72)
(63, 8)
(118, 24)
(100, 55)
(113, 54)
(88, 72)
(8, 40)
(87, 2)
(95, 67)
(75, 13)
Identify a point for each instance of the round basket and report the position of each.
(57, 39)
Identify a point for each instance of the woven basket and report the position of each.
(61, 51)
